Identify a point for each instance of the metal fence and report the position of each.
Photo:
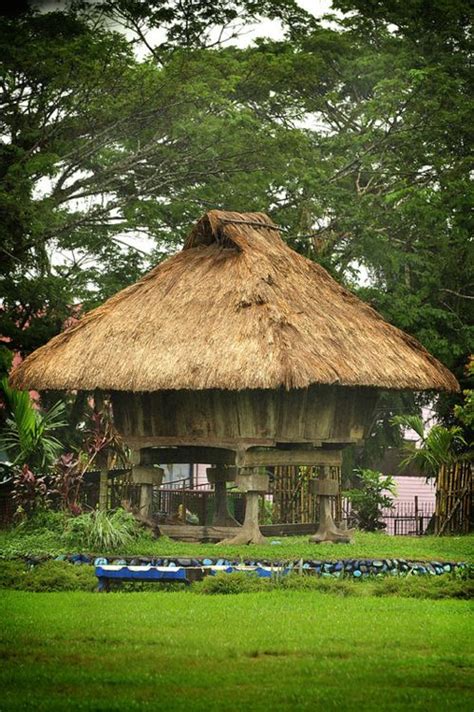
(405, 518)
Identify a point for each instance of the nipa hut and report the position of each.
(241, 353)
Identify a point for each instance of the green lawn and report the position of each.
(457, 548)
(285, 650)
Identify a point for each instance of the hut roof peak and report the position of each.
(231, 229)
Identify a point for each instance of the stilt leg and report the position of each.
(222, 517)
(255, 484)
(327, 529)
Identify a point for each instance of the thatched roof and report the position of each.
(235, 309)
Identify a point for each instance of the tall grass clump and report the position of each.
(101, 531)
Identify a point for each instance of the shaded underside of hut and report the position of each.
(236, 309)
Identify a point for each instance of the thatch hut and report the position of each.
(237, 352)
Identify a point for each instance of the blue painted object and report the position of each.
(105, 574)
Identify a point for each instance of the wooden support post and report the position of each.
(104, 489)
(147, 477)
(254, 483)
(219, 476)
(102, 458)
(326, 488)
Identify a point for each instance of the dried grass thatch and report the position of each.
(235, 309)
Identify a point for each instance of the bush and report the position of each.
(425, 587)
(101, 531)
(43, 520)
(248, 583)
(231, 583)
(317, 583)
(372, 496)
(47, 577)
(11, 574)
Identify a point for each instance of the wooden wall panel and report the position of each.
(315, 415)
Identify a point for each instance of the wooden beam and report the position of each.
(254, 457)
(275, 458)
(139, 442)
(191, 455)
(196, 532)
(189, 532)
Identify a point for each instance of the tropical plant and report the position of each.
(439, 446)
(374, 493)
(101, 531)
(28, 435)
(68, 478)
(30, 492)
(102, 438)
(464, 412)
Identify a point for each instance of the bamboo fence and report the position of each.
(293, 498)
(454, 495)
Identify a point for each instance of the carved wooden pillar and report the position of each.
(147, 477)
(327, 488)
(219, 475)
(254, 483)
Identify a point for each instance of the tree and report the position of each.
(99, 146)
(387, 188)
(375, 493)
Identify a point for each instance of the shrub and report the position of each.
(11, 573)
(425, 587)
(231, 583)
(47, 577)
(43, 520)
(374, 493)
(101, 531)
(293, 582)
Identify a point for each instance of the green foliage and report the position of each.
(101, 531)
(230, 584)
(368, 500)
(431, 587)
(107, 147)
(28, 436)
(110, 147)
(339, 587)
(464, 412)
(440, 446)
(50, 576)
(42, 521)
(47, 577)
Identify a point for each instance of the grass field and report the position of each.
(284, 650)
(457, 548)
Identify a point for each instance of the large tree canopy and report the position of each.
(98, 145)
(125, 118)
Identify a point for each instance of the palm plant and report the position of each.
(440, 446)
(28, 436)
